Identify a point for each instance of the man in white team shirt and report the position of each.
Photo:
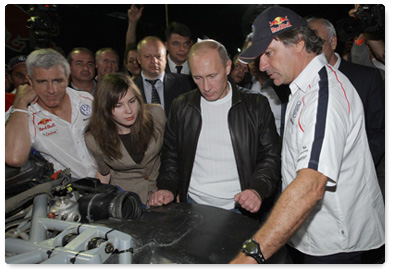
(50, 117)
(220, 144)
(331, 209)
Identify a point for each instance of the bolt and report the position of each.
(109, 248)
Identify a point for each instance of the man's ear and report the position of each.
(334, 43)
(29, 80)
(228, 67)
(300, 46)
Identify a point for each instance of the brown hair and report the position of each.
(110, 89)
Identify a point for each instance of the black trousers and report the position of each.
(339, 258)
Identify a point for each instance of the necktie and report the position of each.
(155, 96)
(179, 68)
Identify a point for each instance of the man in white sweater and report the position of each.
(229, 149)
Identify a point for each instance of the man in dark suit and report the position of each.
(158, 86)
(178, 43)
(370, 87)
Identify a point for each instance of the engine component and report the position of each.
(95, 243)
(65, 209)
(70, 245)
(68, 238)
(124, 205)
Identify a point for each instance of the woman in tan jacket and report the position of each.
(125, 136)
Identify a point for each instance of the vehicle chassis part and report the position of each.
(77, 250)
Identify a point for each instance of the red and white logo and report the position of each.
(46, 126)
(279, 23)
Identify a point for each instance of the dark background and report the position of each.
(104, 25)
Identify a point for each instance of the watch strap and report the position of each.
(257, 254)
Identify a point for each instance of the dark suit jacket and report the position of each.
(370, 87)
(174, 85)
(167, 69)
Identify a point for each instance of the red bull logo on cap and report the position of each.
(279, 23)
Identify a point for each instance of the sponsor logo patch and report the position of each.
(85, 110)
(279, 23)
(46, 127)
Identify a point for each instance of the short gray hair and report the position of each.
(329, 26)
(104, 49)
(46, 58)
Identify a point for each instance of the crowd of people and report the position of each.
(288, 131)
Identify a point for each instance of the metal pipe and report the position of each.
(37, 231)
(32, 257)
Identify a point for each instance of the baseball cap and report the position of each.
(271, 22)
(21, 59)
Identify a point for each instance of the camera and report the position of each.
(42, 23)
(368, 19)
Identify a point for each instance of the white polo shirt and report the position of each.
(274, 101)
(60, 142)
(325, 131)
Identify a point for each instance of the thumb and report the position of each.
(237, 197)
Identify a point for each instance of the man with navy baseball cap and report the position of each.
(18, 71)
(270, 23)
(331, 209)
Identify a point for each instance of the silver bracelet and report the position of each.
(19, 110)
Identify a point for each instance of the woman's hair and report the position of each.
(110, 89)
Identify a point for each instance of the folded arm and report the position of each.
(17, 134)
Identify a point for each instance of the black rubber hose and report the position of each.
(100, 206)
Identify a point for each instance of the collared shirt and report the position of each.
(159, 87)
(337, 64)
(60, 142)
(185, 67)
(79, 89)
(274, 101)
(324, 131)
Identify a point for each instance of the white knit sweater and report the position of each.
(215, 179)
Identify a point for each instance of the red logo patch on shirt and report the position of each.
(46, 127)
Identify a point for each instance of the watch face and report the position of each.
(250, 247)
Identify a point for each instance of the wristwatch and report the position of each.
(251, 248)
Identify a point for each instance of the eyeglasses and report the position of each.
(244, 68)
(132, 60)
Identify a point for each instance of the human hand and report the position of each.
(134, 14)
(161, 197)
(352, 12)
(24, 96)
(249, 200)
